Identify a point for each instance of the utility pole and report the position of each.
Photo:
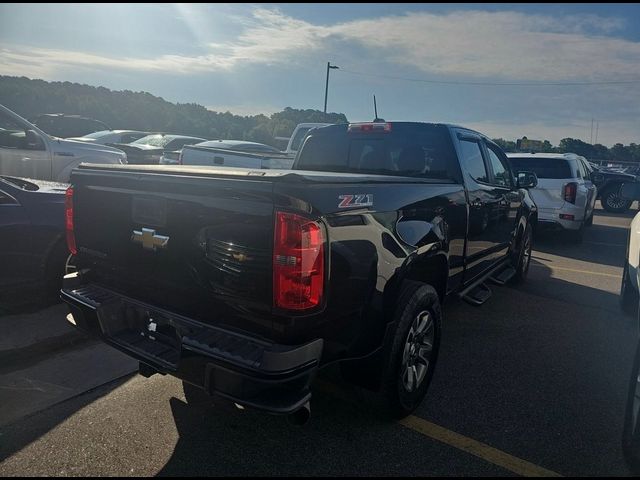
(597, 125)
(326, 86)
(591, 138)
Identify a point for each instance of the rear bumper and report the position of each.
(550, 217)
(240, 369)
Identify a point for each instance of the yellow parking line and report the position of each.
(553, 267)
(479, 449)
(453, 439)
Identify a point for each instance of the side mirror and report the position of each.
(630, 191)
(33, 141)
(526, 179)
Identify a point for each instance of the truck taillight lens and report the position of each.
(68, 212)
(298, 262)
(570, 190)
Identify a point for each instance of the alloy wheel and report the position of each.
(418, 350)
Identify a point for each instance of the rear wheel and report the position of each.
(414, 351)
(613, 202)
(589, 221)
(523, 260)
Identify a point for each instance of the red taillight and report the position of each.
(372, 127)
(570, 190)
(298, 262)
(68, 207)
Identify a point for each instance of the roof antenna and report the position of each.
(375, 109)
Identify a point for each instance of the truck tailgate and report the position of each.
(198, 246)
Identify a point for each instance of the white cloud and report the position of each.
(463, 44)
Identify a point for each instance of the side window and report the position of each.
(500, 171)
(12, 134)
(472, 162)
(582, 171)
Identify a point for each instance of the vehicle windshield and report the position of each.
(100, 134)
(551, 168)
(153, 140)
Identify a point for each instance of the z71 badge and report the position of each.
(360, 200)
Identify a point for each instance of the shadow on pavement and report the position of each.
(541, 372)
(17, 435)
(542, 379)
(602, 244)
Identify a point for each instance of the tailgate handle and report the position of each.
(218, 160)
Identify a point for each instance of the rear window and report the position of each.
(543, 167)
(416, 150)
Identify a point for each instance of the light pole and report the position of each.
(326, 87)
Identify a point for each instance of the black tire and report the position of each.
(629, 296)
(612, 202)
(589, 221)
(631, 429)
(417, 303)
(523, 258)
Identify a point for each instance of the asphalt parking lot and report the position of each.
(531, 383)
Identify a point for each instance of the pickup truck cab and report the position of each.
(27, 151)
(244, 283)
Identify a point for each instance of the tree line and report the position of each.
(617, 153)
(143, 111)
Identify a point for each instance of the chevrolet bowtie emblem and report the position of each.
(149, 240)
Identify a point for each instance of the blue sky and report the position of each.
(260, 58)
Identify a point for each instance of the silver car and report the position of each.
(565, 194)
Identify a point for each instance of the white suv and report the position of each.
(565, 194)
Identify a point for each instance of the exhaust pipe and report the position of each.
(300, 416)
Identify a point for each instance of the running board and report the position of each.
(503, 276)
(478, 295)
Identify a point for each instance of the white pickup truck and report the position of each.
(243, 154)
(27, 151)
(295, 140)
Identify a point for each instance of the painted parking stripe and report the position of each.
(588, 272)
(474, 447)
(453, 439)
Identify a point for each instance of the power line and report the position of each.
(514, 84)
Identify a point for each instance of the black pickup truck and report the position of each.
(244, 283)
